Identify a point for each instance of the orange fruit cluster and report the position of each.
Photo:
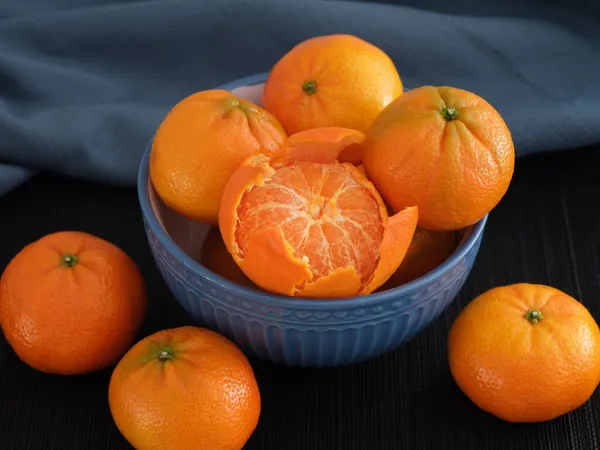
(316, 190)
(338, 185)
(72, 303)
(352, 185)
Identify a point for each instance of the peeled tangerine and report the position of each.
(303, 224)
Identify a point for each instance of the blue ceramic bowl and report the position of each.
(302, 332)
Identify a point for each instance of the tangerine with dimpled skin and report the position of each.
(303, 224)
(185, 388)
(331, 81)
(444, 149)
(525, 352)
(71, 303)
(199, 144)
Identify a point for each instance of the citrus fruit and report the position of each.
(71, 303)
(201, 142)
(185, 388)
(525, 352)
(443, 149)
(215, 257)
(427, 250)
(303, 224)
(331, 81)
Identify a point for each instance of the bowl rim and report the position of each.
(277, 300)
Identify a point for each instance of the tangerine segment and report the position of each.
(305, 228)
(323, 145)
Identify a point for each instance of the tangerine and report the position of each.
(303, 224)
(444, 149)
(185, 388)
(71, 303)
(336, 80)
(199, 144)
(525, 352)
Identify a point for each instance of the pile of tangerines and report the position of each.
(320, 191)
(338, 184)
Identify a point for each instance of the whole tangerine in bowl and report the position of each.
(200, 142)
(308, 332)
(444, 149)
(336, 80)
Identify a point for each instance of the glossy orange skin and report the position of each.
(205, 397)
(521, 371)
(284, 249)
(199, 144)
(71, 320)
(354, 81)
(455, 171)
(427, 250)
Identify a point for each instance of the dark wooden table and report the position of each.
(546, 230)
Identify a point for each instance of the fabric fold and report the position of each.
(84, 83)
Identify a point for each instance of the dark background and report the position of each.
(544, 231)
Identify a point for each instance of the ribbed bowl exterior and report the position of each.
(316, 336)
(303, 332)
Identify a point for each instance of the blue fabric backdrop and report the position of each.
(84, 83)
